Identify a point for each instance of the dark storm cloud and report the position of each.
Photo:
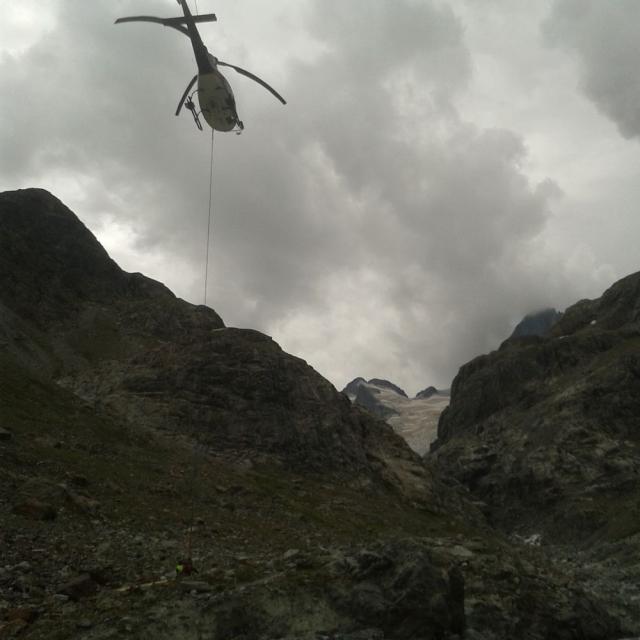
(329, 172)
(439, 212)
(378, 192)
(605, 37)
(365, 225)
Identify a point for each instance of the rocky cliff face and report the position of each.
(427, 392)
(550, 413)
(125, 343)
(136, 429)
(66, 306)
(545, 432)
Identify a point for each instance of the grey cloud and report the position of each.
(605, 37)
(444, 224)
(364, 205)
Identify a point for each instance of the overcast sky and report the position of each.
(441, 167)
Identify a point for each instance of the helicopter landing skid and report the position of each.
(189, 104)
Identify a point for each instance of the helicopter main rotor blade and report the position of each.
(186, 93)
(175, 23)
(167, 22)
(255, 78)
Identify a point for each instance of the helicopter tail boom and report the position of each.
(199, 50)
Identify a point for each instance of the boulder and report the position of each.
(400, 589)
(82, 586)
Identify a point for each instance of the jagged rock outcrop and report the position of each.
(352, 388)
(427, 393)
(373, 395)
(375, 385)
(126, 344)
(368, 397)
(544, 431)
(385, 384)
(64, 303)
(536, 324)
(543, 415)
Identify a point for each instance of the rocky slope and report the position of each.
(545, 432)
(415, 419)
(136, 429)
(126, 344)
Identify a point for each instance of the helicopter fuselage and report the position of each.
(217, 104)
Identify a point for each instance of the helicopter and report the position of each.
(216, 99)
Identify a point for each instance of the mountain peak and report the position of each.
(352, 388)
(126, 342)
(538, 323)
(427, 393)
(385, 384)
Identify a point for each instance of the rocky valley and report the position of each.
(137, 430)
(415, 419)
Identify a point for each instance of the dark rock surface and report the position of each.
(545, 432)
(536, 324)
(427, 393)
(368, 397)
(367, 394)
(125, 343)
(65, 305)
(352, 388)
(385, 384)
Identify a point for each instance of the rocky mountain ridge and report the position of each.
(125, 343)
(545, 433)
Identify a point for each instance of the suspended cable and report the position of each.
(206, 262)
(194, 461)
(192, 510)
